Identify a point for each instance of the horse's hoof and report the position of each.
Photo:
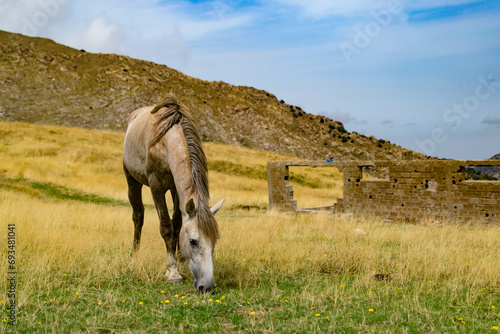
(175, 281)
(174, 277)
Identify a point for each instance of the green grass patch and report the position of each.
(299, 304)
(50, 190)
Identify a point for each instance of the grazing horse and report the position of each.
(163, 150)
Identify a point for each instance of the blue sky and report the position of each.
(423, 74)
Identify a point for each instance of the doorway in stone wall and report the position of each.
(316, 187)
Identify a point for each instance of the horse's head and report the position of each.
(197, 245)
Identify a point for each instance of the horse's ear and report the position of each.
(190, 208)
(217, 206)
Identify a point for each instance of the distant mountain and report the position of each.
(493, 171)
(45, 82)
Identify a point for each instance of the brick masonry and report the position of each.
(400, 190)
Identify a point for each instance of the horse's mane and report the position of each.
(170, 112)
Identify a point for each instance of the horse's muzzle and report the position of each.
(203, 288)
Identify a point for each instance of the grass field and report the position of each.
(64, 191)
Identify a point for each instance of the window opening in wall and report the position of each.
(480, 173)
(371, 172)
(316, 187)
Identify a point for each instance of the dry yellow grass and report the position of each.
(75, 158)
(56, 238)
(92, 161)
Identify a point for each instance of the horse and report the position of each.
(163, 150)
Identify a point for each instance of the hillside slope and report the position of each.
(45, 82)
(491, 170)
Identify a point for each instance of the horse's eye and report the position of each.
(193, 242)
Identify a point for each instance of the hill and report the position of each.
(491, 170)
(45, 82)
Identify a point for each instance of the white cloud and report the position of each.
(400, 41)
(160, 31)
(353, 8)
(103, 36)
(33, 18)
(429, 4)
(323, 8)
(172, 48)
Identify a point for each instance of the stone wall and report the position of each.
(400, 190)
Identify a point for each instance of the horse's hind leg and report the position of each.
(176, 220)
(135, 198)
(167, 233)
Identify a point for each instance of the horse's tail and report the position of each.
(170, 112)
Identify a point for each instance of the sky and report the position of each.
(423, 74)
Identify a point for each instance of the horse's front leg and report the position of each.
(177, 224)
(167, 232)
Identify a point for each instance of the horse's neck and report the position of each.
(180, 164)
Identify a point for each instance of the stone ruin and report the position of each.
(406, 190)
